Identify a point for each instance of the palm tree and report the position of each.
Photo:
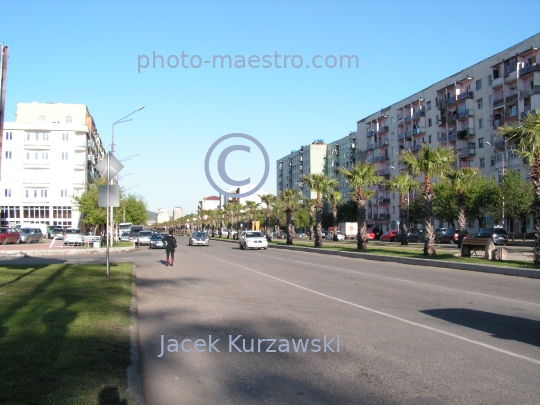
(334, 198)
(320, 184)
(430, 163)
(219, 218)
(268, 200)
(360, 177)
(525, 136)
(402, 184)
(461, 181)
(310, 205)
(251, 206)
(237, 210)
(229, 210)
(291, 198)
(278, 207)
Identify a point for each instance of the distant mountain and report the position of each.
(152, 216)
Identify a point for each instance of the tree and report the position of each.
(291, 198)
(360, 177)
(347, 211)
(483, 198)
(251, 206)
(268, 200)
(444, 202)
(229, 211)
(461, 181)
(309, 204)
(518, 195)
(87, 204)
(417, 210)
(133, 208)
(321, 185)
(237, 213)
(526, 137)
(334, 198)
(430, 163)
(402, 184)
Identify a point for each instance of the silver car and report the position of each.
(73, 236)
(199, 238)
(253, 240)
(28, 235)
(144, 238)
(124, 237)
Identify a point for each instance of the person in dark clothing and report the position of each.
(171, 245)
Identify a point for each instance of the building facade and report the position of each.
(209, 203)
(162, 215)
(49, 156)
(178, 212)
(309, 159)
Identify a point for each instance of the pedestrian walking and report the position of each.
(171, 246)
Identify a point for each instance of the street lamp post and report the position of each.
(502, 169)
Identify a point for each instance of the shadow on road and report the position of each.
(499, 326)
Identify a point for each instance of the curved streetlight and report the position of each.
(120, 121)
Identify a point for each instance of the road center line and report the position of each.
(397, 318)
(416, 282)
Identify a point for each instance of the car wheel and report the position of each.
(265, 248)
(452, 242)
(4, 242)
(241, 247)
(17, 241)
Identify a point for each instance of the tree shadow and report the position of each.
(500, 326)
(110, 396)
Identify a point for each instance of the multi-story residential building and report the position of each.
(178, 212)
(162, 215)
(209, 203)
(49, 156)
(461, 111)
(307, 160)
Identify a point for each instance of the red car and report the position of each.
(389, 236)
(370, 235)
(9, 235)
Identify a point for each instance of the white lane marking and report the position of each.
(397, 318)
(416, 282)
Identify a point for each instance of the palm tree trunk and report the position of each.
(318, 219)
(361, 235)
(535, 178)
(462, 220)
(267, 224)
(334, 212)
(277, 224)
(229, 235)
(310, 224)
(429, 245)
(289, 214)
(403, 219)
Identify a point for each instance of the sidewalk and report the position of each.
(42, 249)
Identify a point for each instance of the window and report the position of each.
(490, 80)
(65, 136)
(26, 193)
(44, 193)
(45, 155)
(491, 100)
(513, 111)
(429, 138)
(479, 84)
(62, 212)
(36, 212)
(7, 192)
(9, 136)
(482, 162)
(68, 119)
(480, 103)
(42, 118)
(27, 136)
(392, 150)
(481, 123)
(429, 105)
(46, 136)
(8, 154)
(471, 222)
(63, 193)
(480, 143)
(392, 121)
(64, 156)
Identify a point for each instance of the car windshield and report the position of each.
(25, 230)
(449, 232)
(485, 232)
(73, 231)
(145, 234)
(499, 231)
(199, 234)
(157, 236)
(253, 235)
(3, 230)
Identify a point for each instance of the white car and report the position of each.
(330, 236)
(253, 240)
(199, 238)
(144, 238)
(73, 236)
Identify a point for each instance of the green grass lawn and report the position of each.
(64, 334)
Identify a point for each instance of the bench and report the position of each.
(472, 245)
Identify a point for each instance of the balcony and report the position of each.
(383, 142)
(382, 187)
(441, 103)
(528, 69)
(370, 134)
(451, 100)
(300, 167)
(407, 118)
(408, 134)
(399, 117)
(36, 164)
(499, 144)
(498, 102)
(380, 158)
(468, 152)
(384, 129)
(529, 92)
(419, 131)
(465, 133)
(441, 122)
(385, 216)
(80, 147)
(443, 138)
(384, 200)
(400, 137)
(512, 97)
(452, 137)
(370, 146)
(465, 95)
(384, 172)
(498, 82)
(419, 114)
(498, 123)
(524, 114)
(465, 114)
(417, 147)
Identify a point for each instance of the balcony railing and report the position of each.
(465, 133)
(408, 134)
(441, 103)
(370, 146)
(419, 130)
(407, 118)
(400, 137)
(451, 100)
(467, 94)
(370, 133)
(443, 138)
(499, 81)
(528, 69)
(465, 114)
(417, 147)
(512, 97)
(380, 158)
(528, 92)
(498, 102)
(419, 114)
(524, 113)
(467, 152)
(383, 129)
(498, 144)
(383, 142)
(441, 122)
(385, 216)
(452, 136)
(384, 172)
(498, 123)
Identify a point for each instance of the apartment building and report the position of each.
(162, 215)
(49, 155)
(308, 159)
(178, 212)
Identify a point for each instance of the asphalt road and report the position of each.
(407, 335)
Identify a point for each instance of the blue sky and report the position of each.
(77, 52)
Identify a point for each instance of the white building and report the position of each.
(209, 203)
(178, 212)
(162, 215)
(242, 190)
(48, 157)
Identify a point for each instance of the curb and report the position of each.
(507, 271)
(134, 378)
(66, 252)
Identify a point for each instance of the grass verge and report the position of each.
(64, 334)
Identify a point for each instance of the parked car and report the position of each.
(199, 238)
(143, 238)
(253, 240)
(439, 231)
(370, 234)
(124, 237)
(57, 232)
(157, 241)
(418, 235)
(9, 235)
(389, 236)
(451, 235)
(74, 236)
(497, 234)
(330, 236)
(28, 235)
